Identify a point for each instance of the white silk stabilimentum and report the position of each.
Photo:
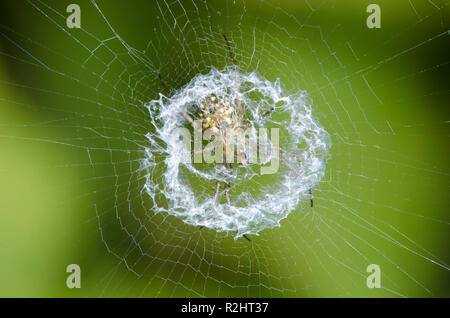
(187, 190)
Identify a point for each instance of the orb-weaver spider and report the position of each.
(220, 114)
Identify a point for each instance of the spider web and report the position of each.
(382, 200)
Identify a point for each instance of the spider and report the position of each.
(219, 113)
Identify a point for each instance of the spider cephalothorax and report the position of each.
(218, 113)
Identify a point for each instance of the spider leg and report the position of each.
(269, 112)
(186, 116)
(289, 153)
(227, 190)
(215, 197)
(230, 51)
(227, 194)
(236, 75)
(217, 191)
(292, 168)
(163, 85)
(207, 148)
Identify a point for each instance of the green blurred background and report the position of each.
(73, 125)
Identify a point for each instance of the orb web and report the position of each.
(82, 96)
